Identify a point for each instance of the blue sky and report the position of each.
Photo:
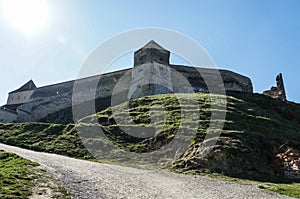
(256, 38)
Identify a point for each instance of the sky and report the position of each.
(255, 38)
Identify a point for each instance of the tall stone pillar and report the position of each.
(280, 88)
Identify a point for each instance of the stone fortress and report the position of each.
(151, 74)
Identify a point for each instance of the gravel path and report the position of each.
(85, 179)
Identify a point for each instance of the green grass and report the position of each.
(256, 128)
(52, 138)
(16, 176)
(288, 188)
(292, 190)
(21, 178)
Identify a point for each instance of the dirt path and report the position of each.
(85, 179)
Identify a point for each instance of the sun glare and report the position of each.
(28, 16)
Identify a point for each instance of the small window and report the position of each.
(19, 97)
(24, 97)
(161, 59)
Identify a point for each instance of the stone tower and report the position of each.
(151, 73)
(151, 52)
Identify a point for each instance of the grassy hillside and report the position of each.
(51, 138)
(256, 128)
(16, 179)
(21, 178)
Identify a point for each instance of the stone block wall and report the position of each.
(7, 115)
(150, 79)
(232, 81)
(55, 98)
(50, 99)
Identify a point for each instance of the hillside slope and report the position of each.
(256, 128)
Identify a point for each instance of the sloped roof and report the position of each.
(153, 44)
(26, 87)
(8, 110)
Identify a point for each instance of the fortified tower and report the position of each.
(151, 73)
(151, 52)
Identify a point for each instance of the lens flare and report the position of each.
(28, 16)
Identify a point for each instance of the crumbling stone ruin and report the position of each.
(277, 92)
(287, 164)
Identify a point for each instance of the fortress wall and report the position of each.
(40, 108)
(194, 79)
(19, 97)
(7, 116)
(151, 74)
(50, 99)
(58, 97)
(231, 80)
(46, 100)
(237, 82)
(114, 83)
